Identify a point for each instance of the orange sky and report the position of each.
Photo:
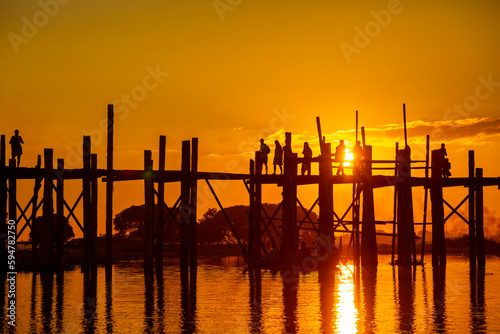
(232, 71)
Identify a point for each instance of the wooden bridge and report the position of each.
(362, 229)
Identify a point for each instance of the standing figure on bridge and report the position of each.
(446, 163)
(278, 157)
(357, 155)
(15, 145)
(340, 156)
(306, 164)
(264, 151)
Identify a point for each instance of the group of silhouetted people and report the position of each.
(307, 153)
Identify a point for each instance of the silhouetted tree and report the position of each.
(214, 228)
(129, 224)
(210, 229)
(39, 227)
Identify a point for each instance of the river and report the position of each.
(224, 297)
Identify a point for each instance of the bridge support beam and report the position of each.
(368, 232)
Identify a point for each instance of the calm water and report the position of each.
(225, 298)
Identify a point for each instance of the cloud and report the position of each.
(472, 131)
(463, 132)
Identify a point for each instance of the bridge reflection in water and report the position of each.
(224, 296)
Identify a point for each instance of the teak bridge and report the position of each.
(47, 241)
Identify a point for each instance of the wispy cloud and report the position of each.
(468, 131)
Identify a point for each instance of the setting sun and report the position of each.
(348, 158)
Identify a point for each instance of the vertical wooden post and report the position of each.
(325, 189)
(290, 232)
(87, 202)
(34, 210)
(251, 215)
(61, 224)
(426, 193)
(395, 210)
(109, 188)
(368, 236)
(472, 220)
(404, 215)
(93, 206)
(46, 239)
(438, 246)
(149, 210)
(160, 216)
(481, 259)
(184, 206)
(320, 135)
(257, 214)
(404, 123)
(193, 253)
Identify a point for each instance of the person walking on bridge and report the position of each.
(340, 156)
(16, 148)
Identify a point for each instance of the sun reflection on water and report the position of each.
(345, 308)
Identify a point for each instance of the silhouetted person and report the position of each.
(443, 150)
(446, 168)
(278, 157)
(340, 156)
(16, 148)
(264, 151)
(304, 251)
(357, 154)
(306, 165)
(446, 163)
(287, 151)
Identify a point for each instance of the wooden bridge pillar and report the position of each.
(149, 211)
(34, 209)
(251, 213)
(60, 221)
(481, 258)
(45, 231)
(184, 205)
(160, 216)
(193, 204)
(472, 211)
(93, 208)
(404, 211)
(109, 188)
(257, 214)
(437, 210)
(325, 188)
(368, 235)
(290, 231)
(87, 204)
